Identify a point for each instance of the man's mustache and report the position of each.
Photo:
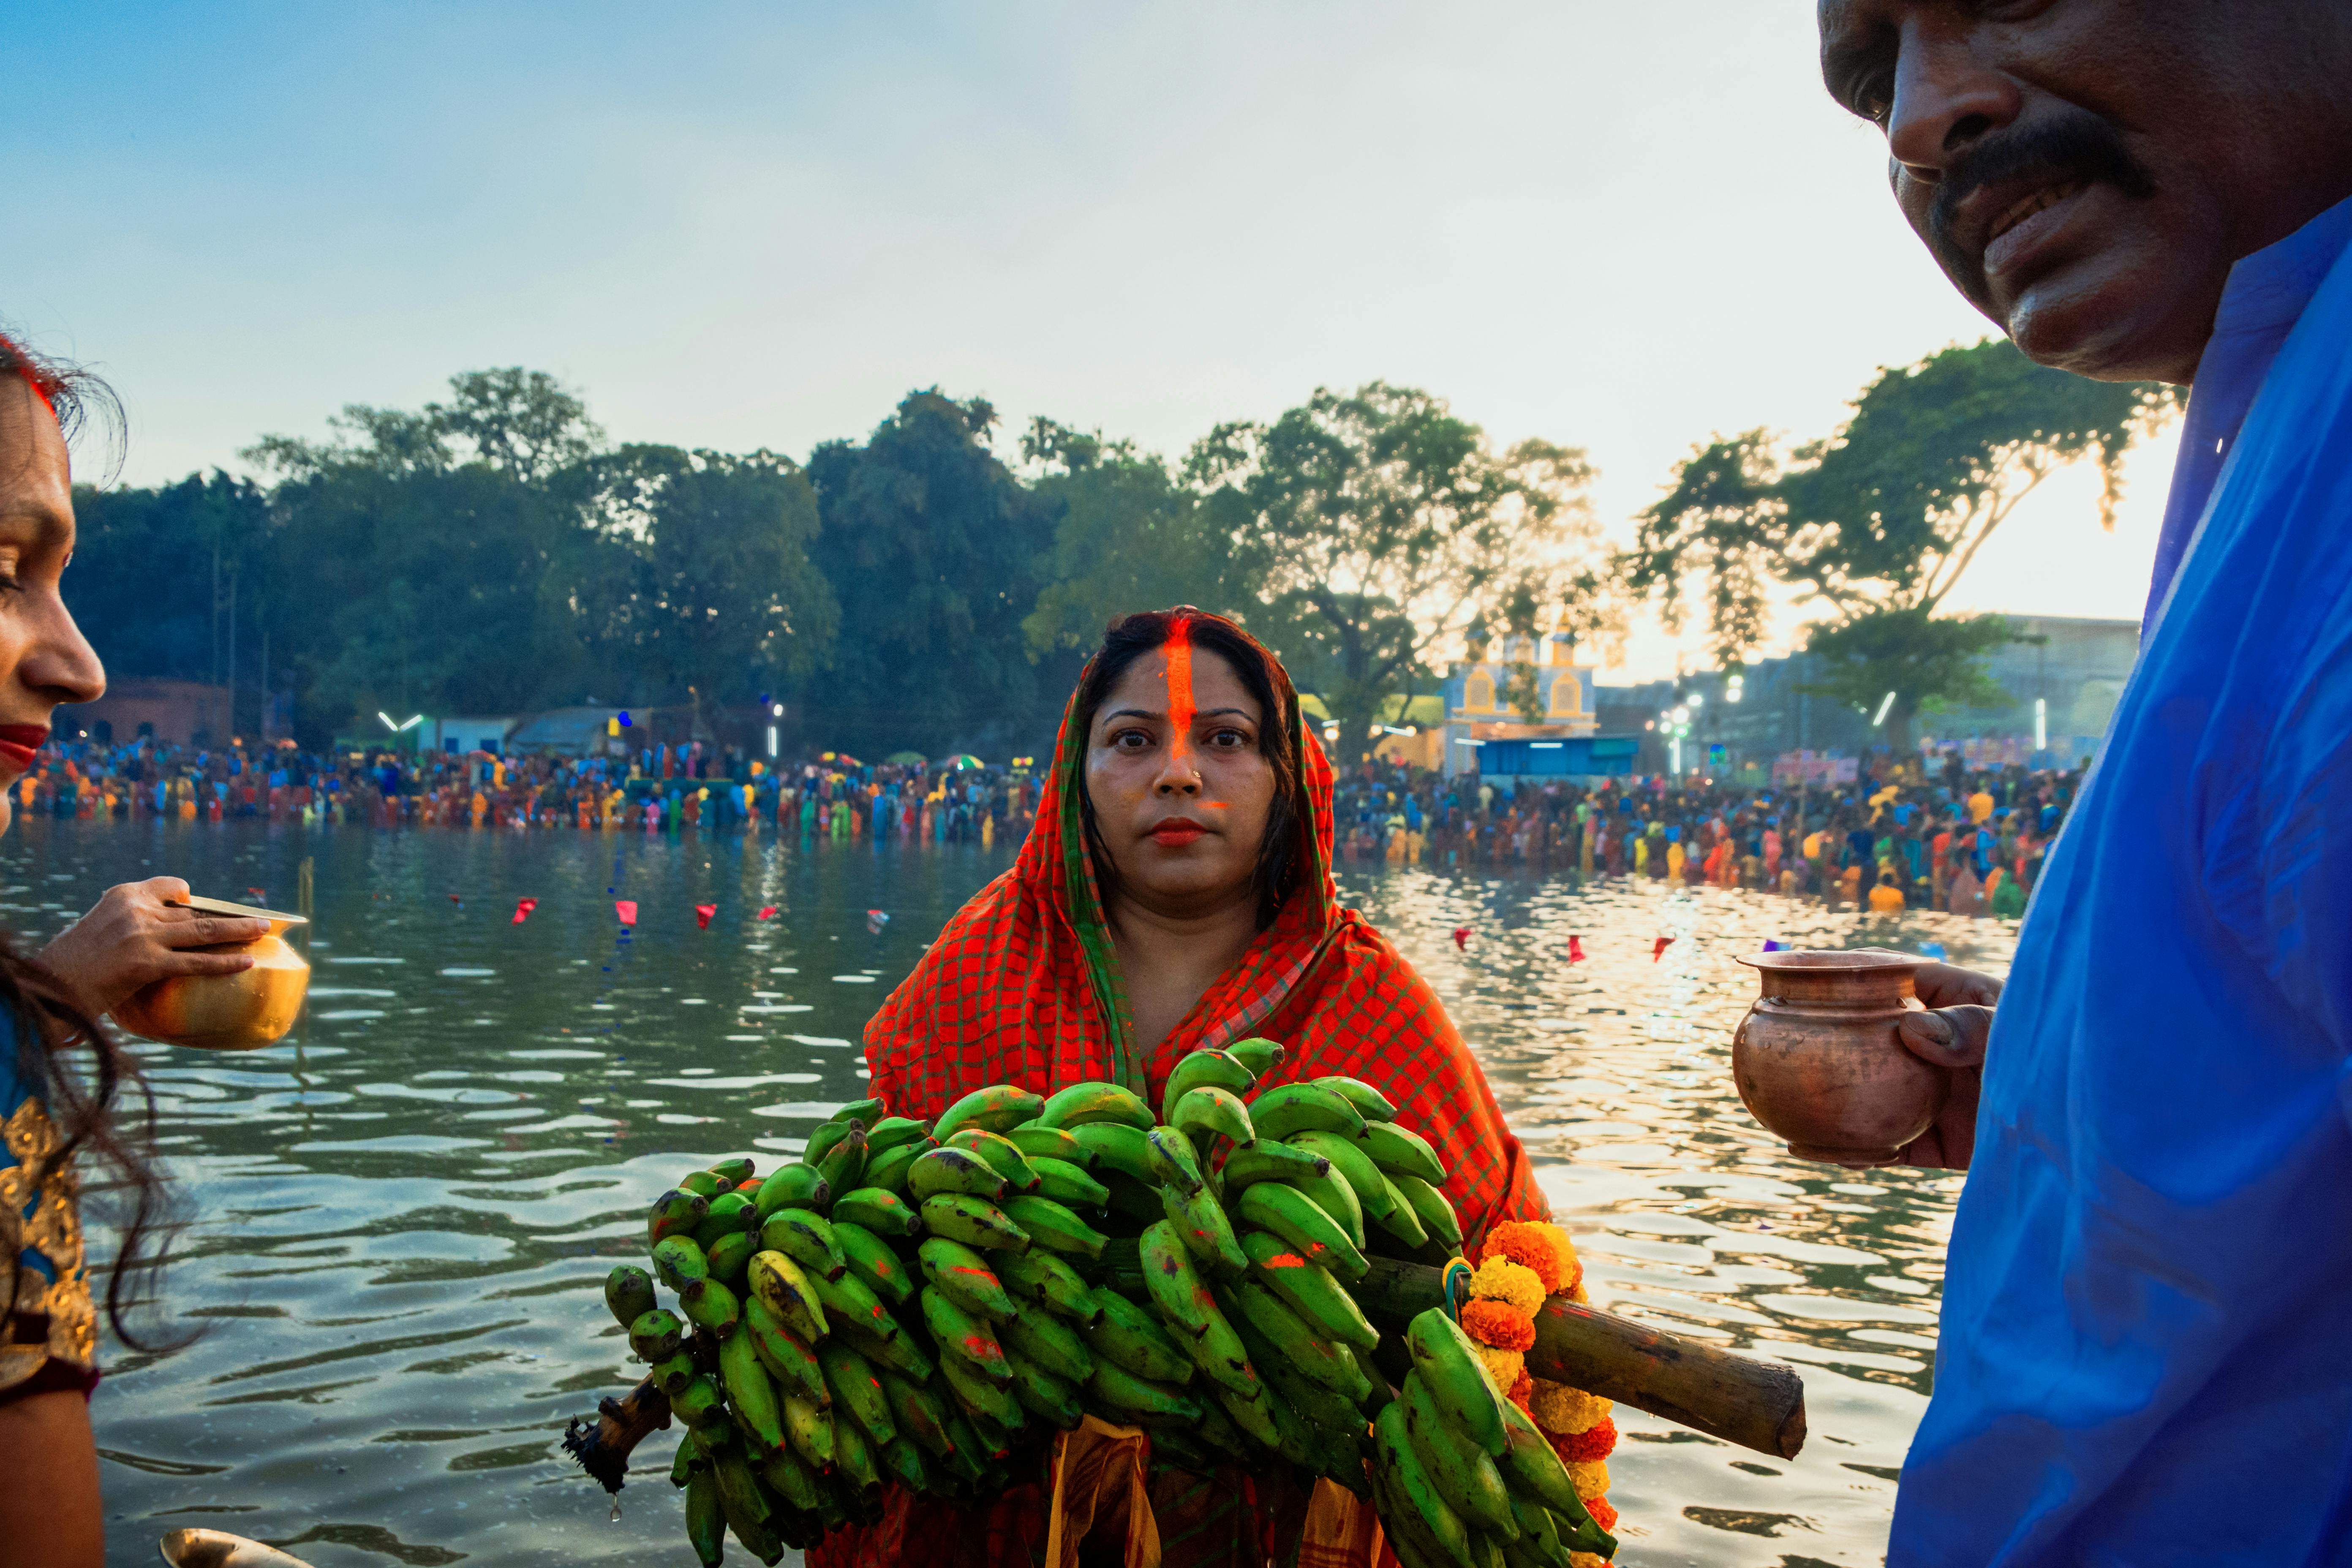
(2080, 146)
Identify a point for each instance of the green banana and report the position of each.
(1538, 1545)
(806, 1239)
(731, 1255)
(951, 1170)
(1084, 1103)
(749, 1390)
(1308, 1289)
(865, 1111)
(904, 1462)
(699, 1403)
(656, 1335)
(1412, 1486)
(878, 1210)
(1212, 1070)
(710, 1305)
(1130, 1338)
(1185, 1450)
(1534, 1467)
(729, 1213)
(1374, 1105)
(963, 1446)
(857, 1390)
(844, 1165)
(963, 1336)
(1457, 1380)
(1173, 1159)
(701, 1184)
(1260, 1056)
(963, 1277)
(1067, 1183)
(675, 1374)
(1209, 1110)
(846, 1299)
(886, 1172)
(1186, 1303)
(821, 1142)
(892, 1131)
(1333, 1195)
(974, 1221)
(1116, 1146)
(1294, 1108)
(999, 1107)
(1124, 1391)
(706, 1521)
(1041, 1278)
(1131, 1199)
(1001, 1154)
(1252, 1412)
(789, 1361)
(1407, 1535)
(628, 1293)
(808, 1428)
(1200, 1221)
(787, 1475)
(1465, 1477)
(1399, 1220)
(776, 1279)
(1399, 1151)
(872, 1260)
(1379, 1201)
(1048, 1342)
(1052, 1399)
(676, 1259)
(1300, 1221)
(915, 1411)
(1429, 1205)
(1050, 1144)
(1325, 1425)
(674, 1212)
(1310, 1354)
(1267, 1160)
(979, 1393)
(899, 1352)
(1053, 1226)
(854, 1454)
(791, 1186)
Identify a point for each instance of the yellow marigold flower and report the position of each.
(1591, 1478)
(1500, 1279)
(1579, 1295)
(1543, 1247)
(1503, 1366)
(1587, 1559)
(1559, 1408)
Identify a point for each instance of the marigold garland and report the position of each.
(1503, 1366)
(1522, 1390)
(1542, 1248)
(1521, 1263)
(1559, 1408)
(1590, 1478)
(1505, 1325)
(1602, 1514)
(1597, 1441)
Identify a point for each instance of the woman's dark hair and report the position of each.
(78, 398)
(1127, 639)
(50, 1020)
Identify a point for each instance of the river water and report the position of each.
(404, 1217)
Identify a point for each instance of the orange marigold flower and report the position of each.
(1542, 1248)
(1499, 1324)
(1519, 1393)
(1597, 1441)
(1500, 1279)
(1602, 1514)
(1587, 1559)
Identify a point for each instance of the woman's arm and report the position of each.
(48, 1484)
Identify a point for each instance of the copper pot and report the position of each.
(240, 1012)
(1818, 1062)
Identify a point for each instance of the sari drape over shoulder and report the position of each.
(1022, 987)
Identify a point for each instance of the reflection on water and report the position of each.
(405, 1216)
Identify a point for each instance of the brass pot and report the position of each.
(240, 1012)
(1816, 1059)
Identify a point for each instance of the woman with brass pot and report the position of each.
(54, 1119)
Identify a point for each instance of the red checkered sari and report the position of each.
(1023, 987)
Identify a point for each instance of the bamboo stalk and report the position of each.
(1758, 1404)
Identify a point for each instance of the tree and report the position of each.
(932, 546)
(1880, 522)
(1928, 662)
(1128, 535)
(1388, 527)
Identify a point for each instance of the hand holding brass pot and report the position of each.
(1817, 1061)
(241, 1011)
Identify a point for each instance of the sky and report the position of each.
(1618, 227)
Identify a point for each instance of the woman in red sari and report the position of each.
(1174, 893)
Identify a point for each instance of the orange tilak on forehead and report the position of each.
(1180, 686)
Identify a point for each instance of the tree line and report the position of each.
(936, 584)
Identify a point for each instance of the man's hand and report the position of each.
(1950, 1035)
(132, 938)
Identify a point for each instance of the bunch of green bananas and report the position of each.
(929, 1303)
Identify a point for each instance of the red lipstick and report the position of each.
(18, 742)
(1176, 833)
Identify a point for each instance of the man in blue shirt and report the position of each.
(2144, 1358)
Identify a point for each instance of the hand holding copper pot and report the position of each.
(1839, 1058)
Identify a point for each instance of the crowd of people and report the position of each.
(1909, 835)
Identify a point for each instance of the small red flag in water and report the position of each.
(1576, 950)
(1462, 938)
(874, 921)
(456, 900)
(523, 910)
(702, 913)
(1663, 943)
(767, 911)
(260, 895)
(627, 909)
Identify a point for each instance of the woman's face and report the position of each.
(1180, 791)
(43, 659)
